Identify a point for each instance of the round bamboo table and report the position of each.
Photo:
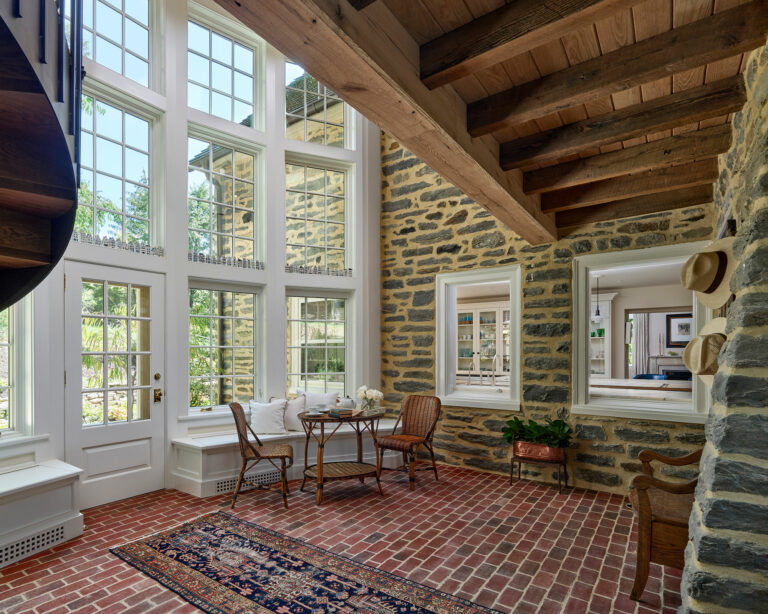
(315, 426)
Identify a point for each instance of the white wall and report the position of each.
(45, 440)
(628, 299)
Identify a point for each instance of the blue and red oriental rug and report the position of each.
(223, 564)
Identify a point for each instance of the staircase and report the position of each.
(39, 140)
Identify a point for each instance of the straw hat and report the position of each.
(700, 355)
(708, 273)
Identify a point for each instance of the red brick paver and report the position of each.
(520, 548)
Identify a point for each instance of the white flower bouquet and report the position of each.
(369, 396)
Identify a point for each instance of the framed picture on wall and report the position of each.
(679, 329)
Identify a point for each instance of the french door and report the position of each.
(114, 358)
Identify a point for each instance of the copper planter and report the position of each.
(538, 451)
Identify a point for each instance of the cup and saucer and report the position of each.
(318, 410)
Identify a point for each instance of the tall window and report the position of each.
(116, 35)
(220, 200)
(313, 112)
(114, 184)
(316, 344)
(222, 354)
(6, 369)
(115, 352)
(315, 217)
(220, 75)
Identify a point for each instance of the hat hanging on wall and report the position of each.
(700, 355)
(708, 273)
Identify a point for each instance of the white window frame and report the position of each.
(445, 341)
(348, 321)
(199, 131)
(21, 370)
(694, 411)
(238, 33)
(349, 191)
(205, 283)
(145, 110)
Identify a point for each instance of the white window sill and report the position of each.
(489, 400)
(666, 412)
(11, 439)
(213, 417)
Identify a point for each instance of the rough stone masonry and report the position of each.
(428, 227)
(727, 558)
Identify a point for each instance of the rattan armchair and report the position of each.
(253, 454)
(419, 417)
(662, 510)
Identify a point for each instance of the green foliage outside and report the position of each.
(554, 433)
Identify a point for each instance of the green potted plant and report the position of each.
(536, 441)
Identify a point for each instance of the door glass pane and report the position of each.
(115, 363)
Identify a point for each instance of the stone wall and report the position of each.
(428, 227)
(727, 559)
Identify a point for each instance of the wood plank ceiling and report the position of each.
(591, 109)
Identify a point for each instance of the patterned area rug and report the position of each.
(223, 564)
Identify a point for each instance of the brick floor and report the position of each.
(520, 548)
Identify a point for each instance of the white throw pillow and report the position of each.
(292, 410)
(317, 398)
(268, 418)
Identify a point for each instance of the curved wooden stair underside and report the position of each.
(38, 173)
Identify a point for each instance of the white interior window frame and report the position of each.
(445, 340)
(350, 205)
(21, 370)
(694, 411)
(259, 328)
(232, 29)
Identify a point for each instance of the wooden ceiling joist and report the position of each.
(693, 105)
(629, 186)
(631, 207)
(714, 38)
(372, 62)
(508, 31)
(679, 149)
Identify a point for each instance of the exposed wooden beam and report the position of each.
(374, 67)
(25, 240)
(708, 40)
(508, 31)
(631, 207)
(629, 186)
(696, 104)
(679, 149)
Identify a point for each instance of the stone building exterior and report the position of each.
(429, 227)
(727, 558)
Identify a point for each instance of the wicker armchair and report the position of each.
(253, 454)
(662, 510)
(419, 417)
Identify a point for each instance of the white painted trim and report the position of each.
(445, 342)
(583, 266)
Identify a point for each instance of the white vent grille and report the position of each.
(264, 478)
(29, 545)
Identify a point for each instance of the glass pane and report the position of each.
(93, 408)
(109, 22)
(223, 219)
(198, 39)
(136, 38)
(136, 200)
(117, 332)
(198, 69)
(244, 223)
(140, 405)
(138, 9)
(93, 335)
(93, 297)
(140, 336)
(199, 392)
(243, 194)
(198, 152)
(109, 54)
(117, 370)
(199, 361)
(294, 75)
(221, 48)
(244, 361)
(109, 120)
(244, 249)
(199, 301)
(117, 404)
(109, 192)
(199, 214)
(109, 156)
(136, 166)
(140, 301)
(140, 370)
(198, 97)
(243, 113)
(243, 166)
(221, 105)
(137, 69)
(93, 371)
(222, 160)
(221, 78)
(244, 87)
(243, 305)
(244, 59)
(117, 299)
(136, 132)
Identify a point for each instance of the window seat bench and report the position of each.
(207, 465)
(39, 507)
